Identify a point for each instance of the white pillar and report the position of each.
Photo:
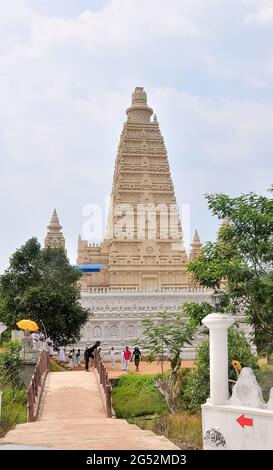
(218, 323)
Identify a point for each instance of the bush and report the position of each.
(184, 428)
(14, 408)
(5, 336)
(14, 398)
(11, 365)
(264, 377)
(196, 385)
(137, 396)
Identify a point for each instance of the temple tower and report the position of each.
(143, 247)
(54, 238)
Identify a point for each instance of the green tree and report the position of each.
(154, 334)
(164, 337)
(241, 260)
(41, 285)
(166, 334)
(196, 383)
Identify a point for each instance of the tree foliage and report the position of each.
(41, 285)
(166, 334)
(196, 384)
(164, 337)
(11, 366)
(241, 260)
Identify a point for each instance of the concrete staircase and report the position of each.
(72, 417)
(95, 434)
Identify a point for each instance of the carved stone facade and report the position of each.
(143, 247)
(117, 315)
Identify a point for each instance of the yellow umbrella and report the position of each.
(27, 325)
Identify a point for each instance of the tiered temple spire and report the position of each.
(144, 243)
(54, 238)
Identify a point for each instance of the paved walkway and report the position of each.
(72, 417)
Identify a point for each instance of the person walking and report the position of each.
(49, 346)
(137, 355)
(41, 342)
(78, 358)
(122, 361)
(112, 355)
(61, 354)
(127, 357)
(89, 353)
(72, 359)
(35, 339)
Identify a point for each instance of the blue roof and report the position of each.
(88, 268)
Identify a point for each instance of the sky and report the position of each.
(67, 71)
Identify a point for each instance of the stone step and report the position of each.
(33, 436)
(76, 422)
(114, 442)
(82, 429)
(78, 430)
(117, 435)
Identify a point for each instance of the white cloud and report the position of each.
(229, 137)
(263, 13)
(65, 83)
(120, 22)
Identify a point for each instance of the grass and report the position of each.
(136, 395)
(55, 367)
(184, 428)
(14, 409)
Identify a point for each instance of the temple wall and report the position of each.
(117, 315)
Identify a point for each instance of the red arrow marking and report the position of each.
(244, 421)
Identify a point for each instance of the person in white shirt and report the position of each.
(62, 354)
(41, 341)
(78, 358)
(72, 359)
(112, 355)
(49, 346)
(35, 340)
(122, 361)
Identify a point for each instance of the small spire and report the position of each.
(155, 118)
(54, 223)
(54, 238)
(196, 246)
(139, 110)
(139, 96)
(80, 238)
(196, 239)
